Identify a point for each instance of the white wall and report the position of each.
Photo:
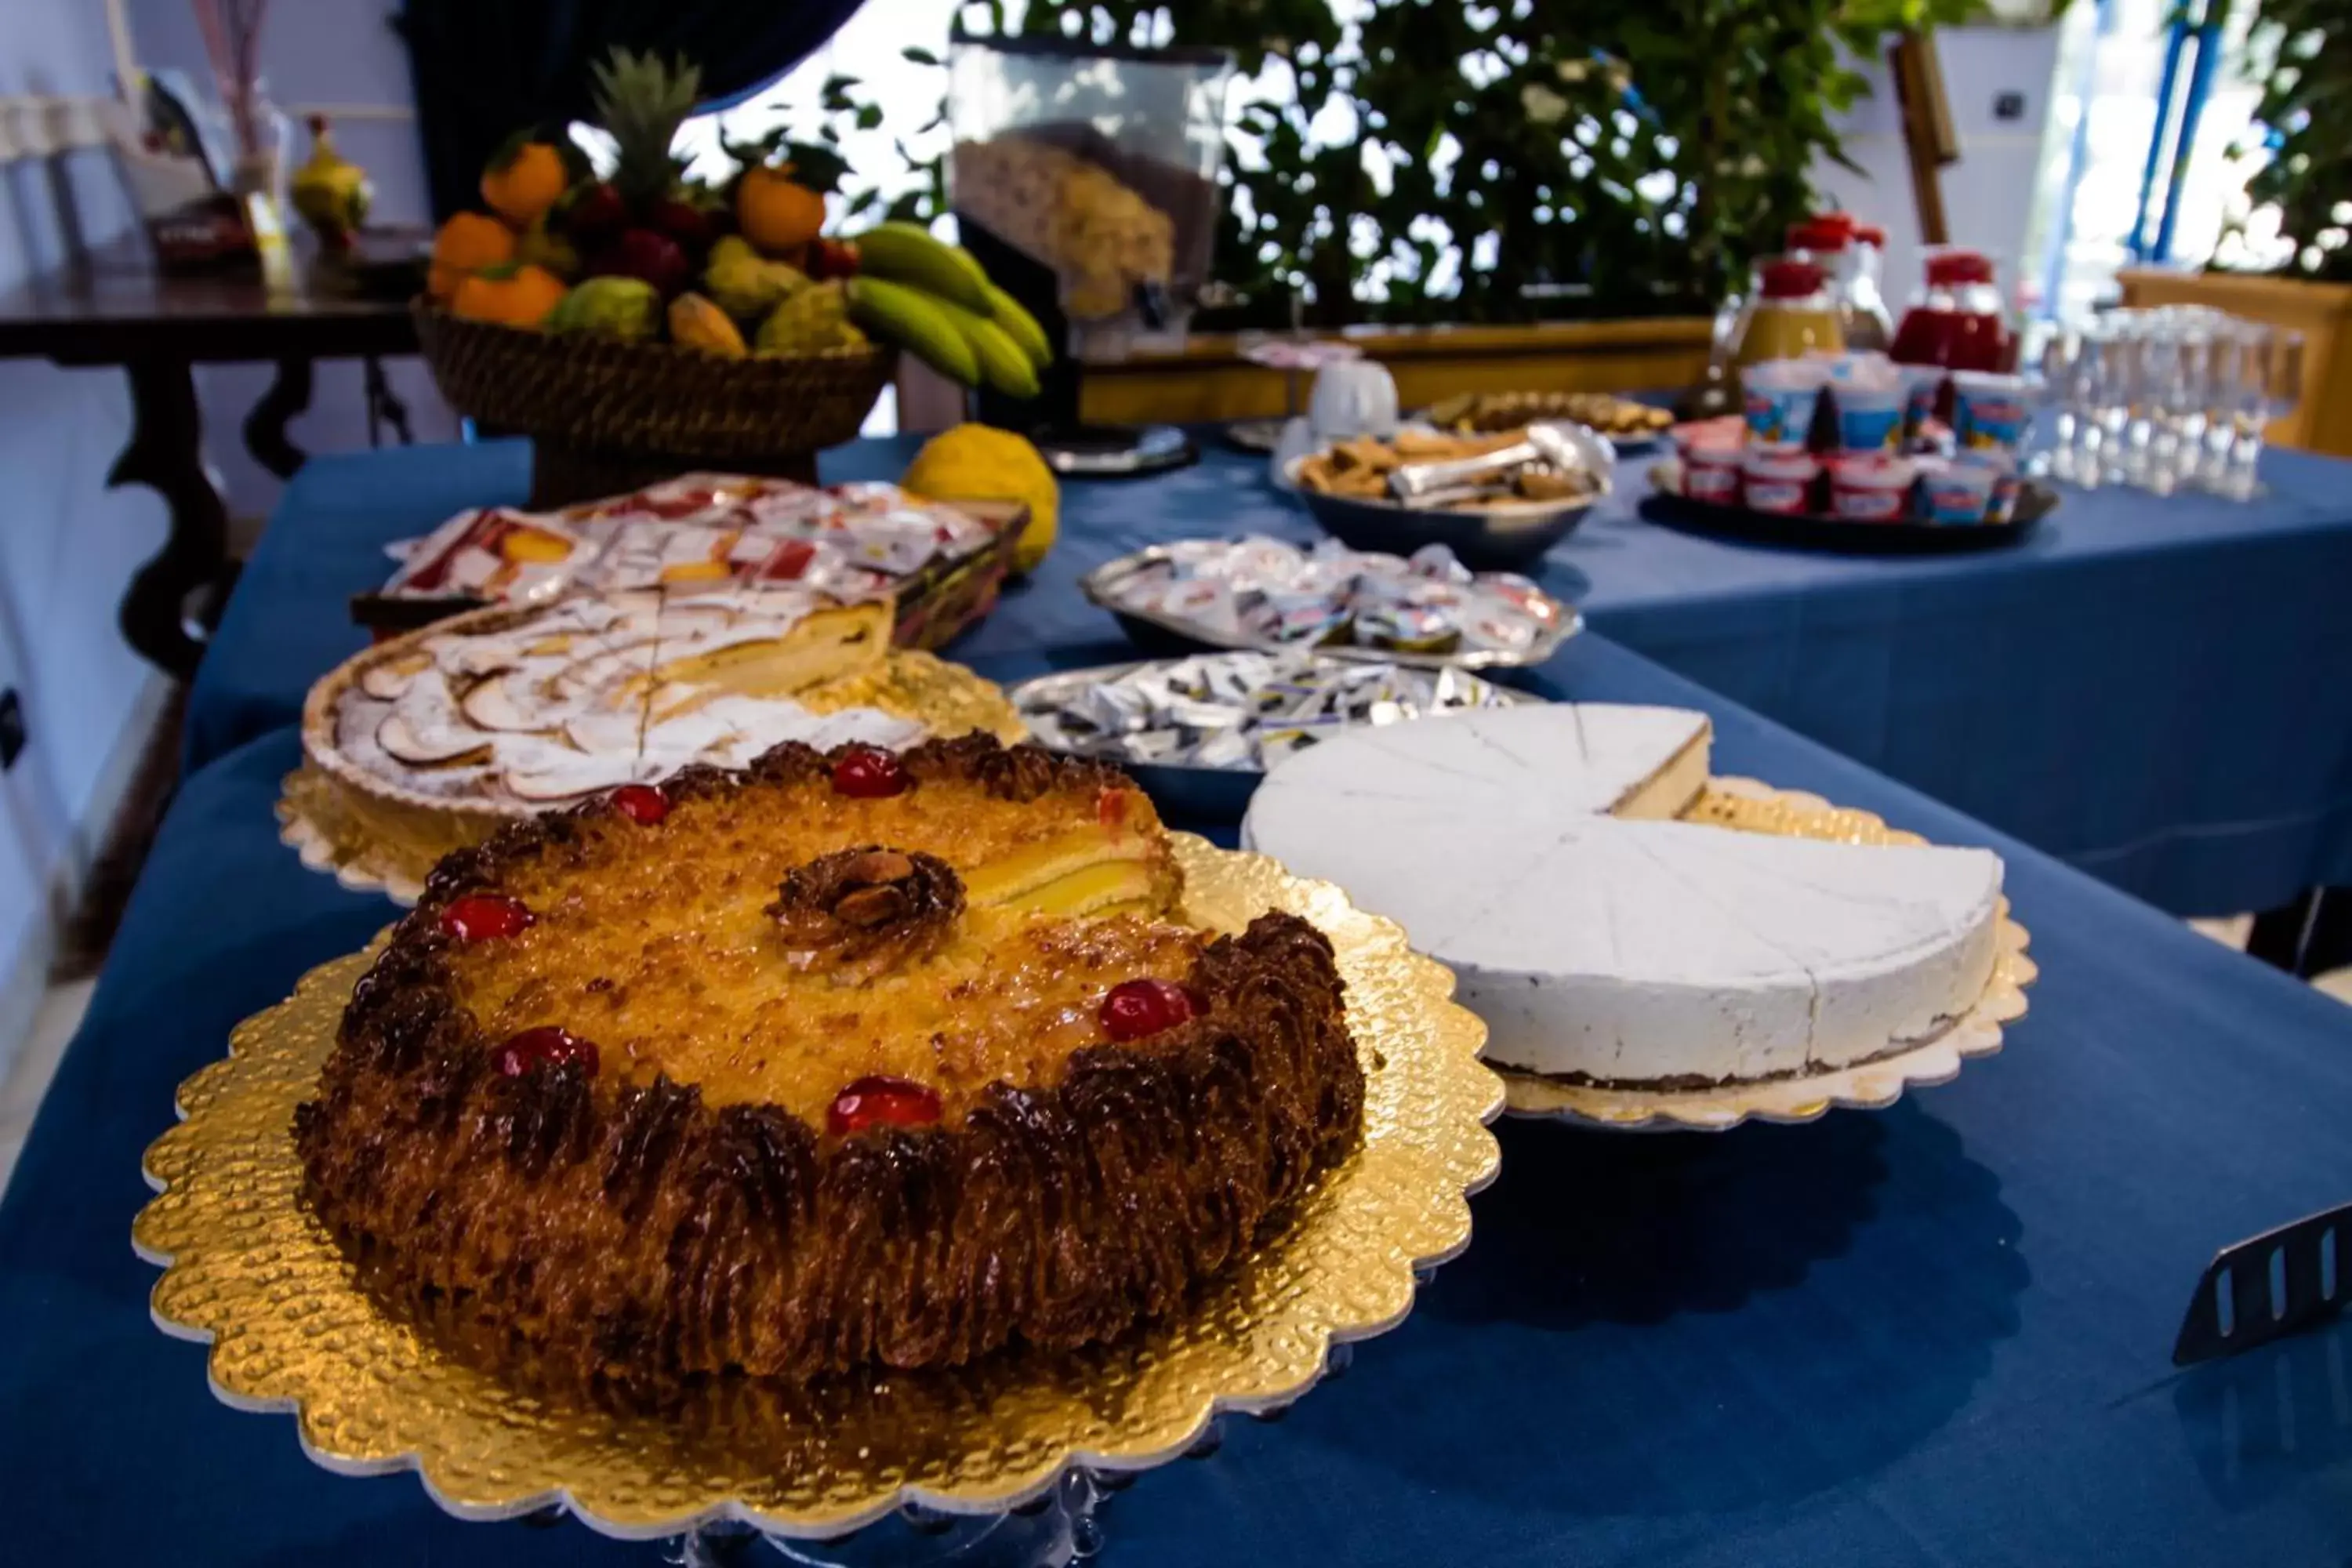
(332, 53)
(1989, 195)
(67, 545)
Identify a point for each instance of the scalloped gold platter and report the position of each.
(250, 1272)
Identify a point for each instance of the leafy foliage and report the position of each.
(2306, 111)
(641, 99)
(1516, 158)
(1500, 160)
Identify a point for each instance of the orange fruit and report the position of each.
(465, 244)
(775, 214)
(525, 183)
(513, 296)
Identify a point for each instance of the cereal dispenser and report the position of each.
(1084, 178)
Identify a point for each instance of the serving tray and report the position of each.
(250, 1273)
(1156, 633)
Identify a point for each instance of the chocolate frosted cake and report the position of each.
(850, 1059)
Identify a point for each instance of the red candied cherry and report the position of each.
(1135, 1008)
(881, 1101)
(869, 772)
(478, 917)
(642, 803)
(546, 1045)
(1111, 807)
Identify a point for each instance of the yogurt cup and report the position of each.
(2002, 504)
(1711, 472)
(1711, 455)
(1989, 411)
(1779, 482)
(1871, 487)
(1869, 414)
(1780, 396)
(1920, 384)
(1958, 493)
(1867, 366)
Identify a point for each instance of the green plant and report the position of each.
(1500, 162)
(641, 101)
(2302, 51)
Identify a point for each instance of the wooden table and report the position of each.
(117, 311)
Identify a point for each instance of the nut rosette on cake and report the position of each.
(849, 1060)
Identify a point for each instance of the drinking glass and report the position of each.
(2225, 373)
(2283, 383)
(2152, 437)
(2054, 355)
(2106, 381)
(2186, 398)
(2270, 385)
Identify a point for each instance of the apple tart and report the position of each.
(434, 741)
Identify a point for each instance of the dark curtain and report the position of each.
(485, 68)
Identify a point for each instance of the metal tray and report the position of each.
(1637, 446)
(1187, 795)
(1809, 531)
(1509, 536)
(1170, 635)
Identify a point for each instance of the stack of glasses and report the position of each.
(2167, 400)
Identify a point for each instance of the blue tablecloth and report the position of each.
(2157, 691)
(1934, 1335)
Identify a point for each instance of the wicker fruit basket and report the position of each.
(606, 415)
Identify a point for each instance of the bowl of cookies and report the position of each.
(1499, 500)
(1631, 425)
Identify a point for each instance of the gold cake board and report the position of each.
(1747, 805)
(250, 1271)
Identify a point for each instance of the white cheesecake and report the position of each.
(1533, 850)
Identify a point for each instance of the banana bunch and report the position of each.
(932, 299)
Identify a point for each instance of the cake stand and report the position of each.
(1002, 1461)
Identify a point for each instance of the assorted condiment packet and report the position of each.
(1262, 590)
(493, 552)
(1241, 709)
(858, 540)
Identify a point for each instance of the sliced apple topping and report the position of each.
(388, 678)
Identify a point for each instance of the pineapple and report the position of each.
(642, 100)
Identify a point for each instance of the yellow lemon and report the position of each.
(979, 462)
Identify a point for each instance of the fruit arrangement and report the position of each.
(738, 268)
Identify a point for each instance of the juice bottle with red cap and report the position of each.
(1834, 241)
(1955, 321)
(1792, 313)
(1868, 249)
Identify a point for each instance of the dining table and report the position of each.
(1938, 1332)
(2156, 690)
(115, 308)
